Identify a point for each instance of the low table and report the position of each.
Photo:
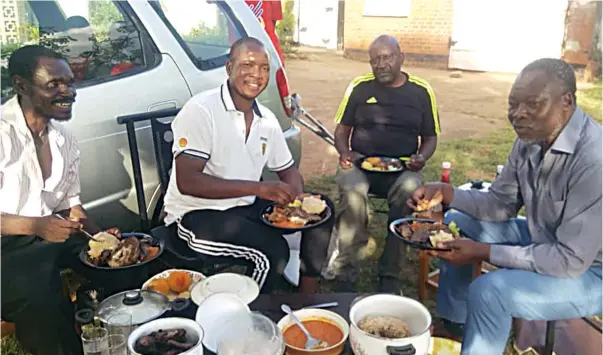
(270, 306)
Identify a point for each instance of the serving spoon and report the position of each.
(311, 343)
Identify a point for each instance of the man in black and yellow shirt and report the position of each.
(385, 113)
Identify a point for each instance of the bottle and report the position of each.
(499, 169)
(446, 172)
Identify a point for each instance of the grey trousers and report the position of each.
(351, 220)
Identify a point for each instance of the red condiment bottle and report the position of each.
(446, 172)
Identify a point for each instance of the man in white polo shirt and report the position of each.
(39, 178)
(223, 139)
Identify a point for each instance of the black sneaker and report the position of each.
(390, 285)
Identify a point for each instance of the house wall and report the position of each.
(424, 35)
(578, 38)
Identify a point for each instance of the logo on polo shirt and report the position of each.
(372, 100)
(182, 142)
(264, 141)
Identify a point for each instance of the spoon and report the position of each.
(311, 343)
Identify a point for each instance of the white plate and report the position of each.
(216, 311)
(196, 277)
(242, 286)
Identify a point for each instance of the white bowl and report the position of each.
(194, 333)
(215, 312)
(242, 286)
(314, 313)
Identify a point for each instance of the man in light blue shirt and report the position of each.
(550, 262)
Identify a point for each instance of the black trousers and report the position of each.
(238, 233)
(32, 296)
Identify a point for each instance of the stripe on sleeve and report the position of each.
(348, 93)
(424, 84)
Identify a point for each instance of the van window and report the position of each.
(97, 37)
(205, 28)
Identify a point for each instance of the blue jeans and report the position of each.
(487, 305)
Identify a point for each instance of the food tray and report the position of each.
(155, 242)
(195, 276)
(418, 245)
(325, 216)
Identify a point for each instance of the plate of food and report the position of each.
(108, 252)
(381, 164)
(424, 233)
(174, 283)
(307, 211)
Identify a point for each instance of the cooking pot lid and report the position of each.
(141, 305)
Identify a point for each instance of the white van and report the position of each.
(130, 57)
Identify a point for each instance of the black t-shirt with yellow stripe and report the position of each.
(388, 121)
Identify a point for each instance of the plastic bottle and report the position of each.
(446, 172)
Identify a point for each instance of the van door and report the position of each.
(118, 71)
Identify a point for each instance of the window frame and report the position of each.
(202, 64)
(150, 53)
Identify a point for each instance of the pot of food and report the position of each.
(167, 336)
(389, 325)
(134, 308)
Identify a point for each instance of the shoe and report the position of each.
(389, 285)
(444, 328)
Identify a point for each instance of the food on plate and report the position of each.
(428, 232)
(322, 329)
(173, 283)
(179, 281)
(381, 164)
(306, 209)
(107, 250)
(161, 286)
(151, 253)
(164, 342)
(102, 241)
(423, 206)
(384, 327)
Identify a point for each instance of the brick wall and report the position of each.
(578, 37)
(424, 35)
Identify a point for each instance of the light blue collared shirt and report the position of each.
(562, 195)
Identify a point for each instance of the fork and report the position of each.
(81, 229)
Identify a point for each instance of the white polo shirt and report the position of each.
(210, 127)
(23, 190)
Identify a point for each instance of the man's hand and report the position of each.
(434, 194)
(464, 251)
(277, 191)
(53, 229)
(346, 160)
(416, 162)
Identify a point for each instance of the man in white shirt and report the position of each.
(39, 178)
(223, 139)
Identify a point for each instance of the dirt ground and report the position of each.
(470, 106)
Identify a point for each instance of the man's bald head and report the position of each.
(386, 40)
(250, 43)
(386, 60)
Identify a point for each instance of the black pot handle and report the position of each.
(180, 304)
(407, 349)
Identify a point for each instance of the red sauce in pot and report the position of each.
(319, 329)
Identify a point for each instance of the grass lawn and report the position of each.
(470, 158)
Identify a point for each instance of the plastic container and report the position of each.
(446, 166)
